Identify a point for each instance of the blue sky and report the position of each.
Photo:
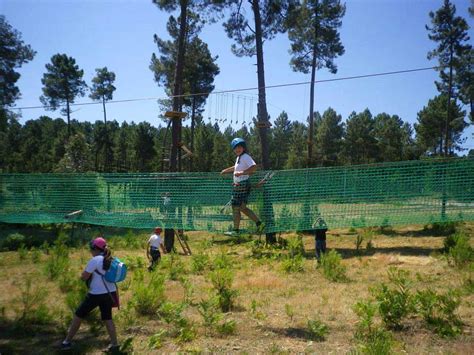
(378, 35)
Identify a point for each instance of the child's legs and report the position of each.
(109, 324)
(237, 216)
(73, 328)
(249, 213)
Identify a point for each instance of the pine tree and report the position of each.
(329, 138)
(450, 33)
(62, 83)
(315, 44)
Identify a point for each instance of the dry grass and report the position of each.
(263, 325)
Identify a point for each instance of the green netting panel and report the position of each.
(415, 192)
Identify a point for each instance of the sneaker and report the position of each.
(66, 346)
(234, 233)
(112, 349)
(260, 227)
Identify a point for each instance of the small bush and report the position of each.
(331, 265)
(290, 311)
(394, 301)
(442, 228)
(147, 297)
(372, 339)
(66, 282)
(58, 261)
(33, 309)
(293, 264)
(296, 246)
(228, 327)
(199, 263)
(183, 329)
(222, 281)
(460, 253)
(438, 311)
(13, 241)
(156, 340)
(221, 261)
(358, 244)
(22, 252)
(175, 266)
(317, 330)
(210, 312)
(35, 255)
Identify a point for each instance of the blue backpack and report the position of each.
(116, 272)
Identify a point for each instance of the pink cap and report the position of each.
(99, 243)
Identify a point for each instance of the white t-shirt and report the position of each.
(97, 285)
(155, 241)
(242, 163)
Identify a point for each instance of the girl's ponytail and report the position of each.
(107, 258)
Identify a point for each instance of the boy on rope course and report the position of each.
(244, 167)
(155, 243)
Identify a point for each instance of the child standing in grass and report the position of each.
(155, 243)
(102, 294)
(244, 167)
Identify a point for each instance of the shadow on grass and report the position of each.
(45, 339)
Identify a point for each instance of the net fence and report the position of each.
(389, 194)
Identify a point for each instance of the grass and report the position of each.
(272, 311)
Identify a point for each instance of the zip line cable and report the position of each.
(243, 89)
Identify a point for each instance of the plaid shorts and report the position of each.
(240, 193)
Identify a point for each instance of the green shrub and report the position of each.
(35, 255)
(331, 265)
(222, 280)
(147, 297)
(296, 246)
(210, 312)
(358, 243)
(438, 311)
(372, 339)
(66, 282)
(293, 264)
(460, 252)
(394, 301)
(228, 327)
(134, 262)
(199, 263)
(442, 228)
(317, 330)
(22, 252)
(175, 266)
(290, 311)
(58, 261)
(33, 309)
(156, 340)
(221, 261)
(13, 241)
(172, 313)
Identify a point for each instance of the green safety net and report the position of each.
(413, 192)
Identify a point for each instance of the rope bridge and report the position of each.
(414, 192)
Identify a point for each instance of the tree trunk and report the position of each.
(178, 84)
(68, 113)
(448, 104)
(193, 114)
(311, 110)
(311, 98)
(177, 105)
(106, 148)
(263, 114)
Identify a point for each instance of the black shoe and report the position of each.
(66, 346)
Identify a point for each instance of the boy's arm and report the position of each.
(227, 170)
(162, 246)
(248, 171)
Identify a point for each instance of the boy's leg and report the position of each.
(237, 217)
(249, 213)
